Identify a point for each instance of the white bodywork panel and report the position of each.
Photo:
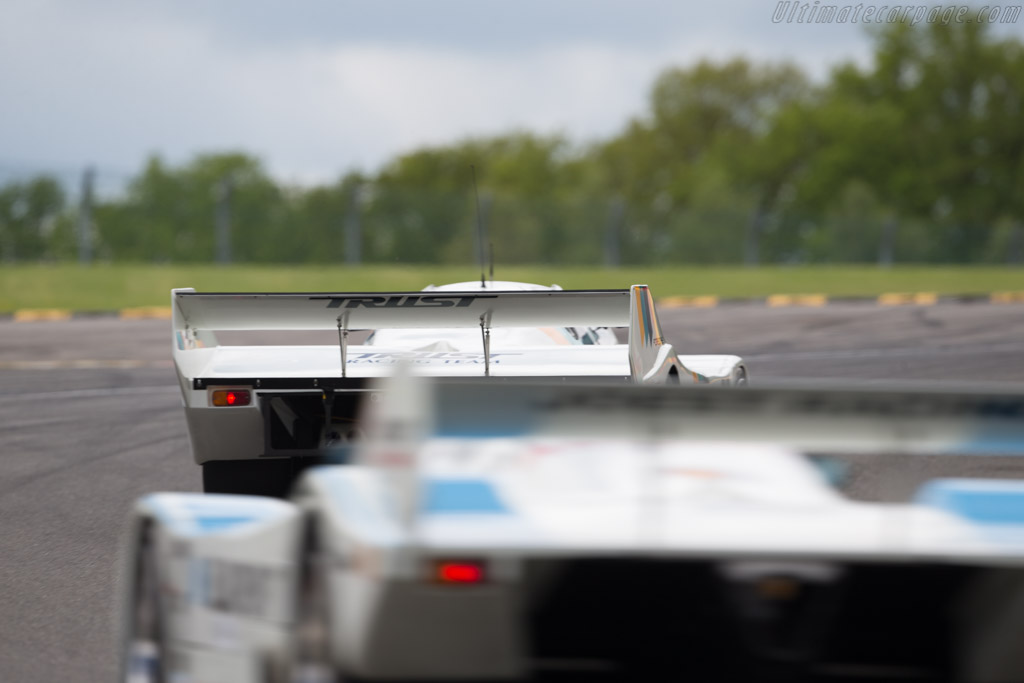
(227, 580)
(377, 361)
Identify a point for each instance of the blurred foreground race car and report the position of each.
(555, 532)
(259, 414)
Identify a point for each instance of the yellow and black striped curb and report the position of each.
(31, 315)
(1007, 297)
(778, 300)
(145, 313)
(688, 302)
(817, 300)
(773, 301)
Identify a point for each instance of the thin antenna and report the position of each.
(479, 229)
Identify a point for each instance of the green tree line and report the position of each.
(917, 157)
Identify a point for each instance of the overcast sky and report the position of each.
(318, 87)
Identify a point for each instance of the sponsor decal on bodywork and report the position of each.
(231, 586)
(425, 358)
(407, 301)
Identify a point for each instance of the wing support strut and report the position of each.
(485, 331)
(343, 342)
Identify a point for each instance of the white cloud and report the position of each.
(109, 83)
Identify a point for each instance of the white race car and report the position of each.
(634, 533)
(259, 414)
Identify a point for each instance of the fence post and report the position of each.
(613, 233)
(1015, 249)
(225, 189)
(752, 244)
(7, 242)
(885, 246)
(353, 227)
(85, 217)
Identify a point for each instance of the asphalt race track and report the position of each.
(90, 419)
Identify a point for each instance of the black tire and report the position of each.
(272, 478)
(145, 652)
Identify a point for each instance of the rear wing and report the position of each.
(390, 310)
(196, 316)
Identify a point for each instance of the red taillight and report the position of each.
(460, 572)
(231, 397)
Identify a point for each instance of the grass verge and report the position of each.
(111, 287)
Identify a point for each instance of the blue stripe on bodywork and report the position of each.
(201, 514)
(455, 496)
(1000, 440)
(980, 501)
(213, 524)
